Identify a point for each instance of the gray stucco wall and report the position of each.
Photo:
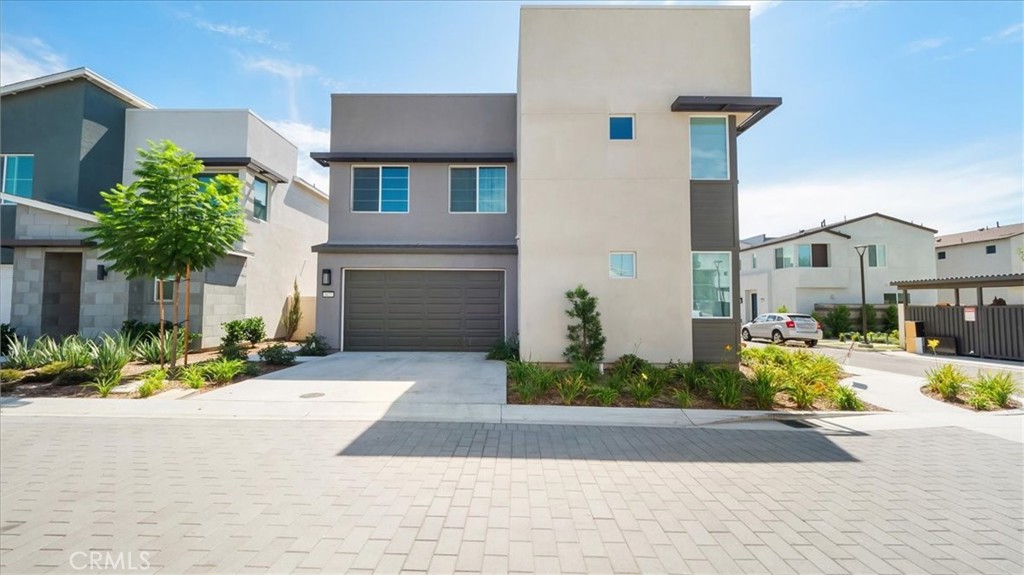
(714, 226)
(224, 297)
(328, 310)
(76, 132)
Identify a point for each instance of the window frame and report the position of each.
(266, 199)
(940, 255)
(753, 261)
(156, 296)
(776, 258)
(632, 127)
(5, 169)
(693, 291)
(990, 249)
(611, 266)
(885, 256)
(728, 149)
(477, 167)
(380, 184)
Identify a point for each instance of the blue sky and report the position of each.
(913, 109)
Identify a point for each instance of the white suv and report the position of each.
(782, 327)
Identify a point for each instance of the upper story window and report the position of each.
(753, 261)
(259, 199)
(812, 255)
(784, 257)
(479, 189)
(383, 189)
(620, 127)
(990, 249)
(622, 265)
(709, 148)
(16, 175)
(942, 255)
(712, 284)
(876, 256)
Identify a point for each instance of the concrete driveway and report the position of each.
(377, 385)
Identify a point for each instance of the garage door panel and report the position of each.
(423, 310)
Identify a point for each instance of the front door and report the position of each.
(753, 305)
(62, 292)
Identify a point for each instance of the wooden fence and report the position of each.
(997, 332)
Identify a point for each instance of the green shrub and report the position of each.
(75, 377)
(605, 396)
(825, 331)
(979, 402)
(588, 371)
(570, 386)
(46, 350)
(586, 340)
(764, 386)
(727, 387)
(233, 351)
(254, 330)
(891, 321)
(104, 383)
(294, 315)
(629, 365)
(804, 394)
(659, 377)
(152, 382)
(76, 351)
(149, 347)
(222, 370)
(947, 381)
(837, 320)
(314, 344)
(251, 369)
(6, 334)
(683, 397)
(11, 375)
(234, 332)
(845, 399)
(642, 390)
(277, 354)
(782, 309)
(530, 380)
(868, 311)
(617, 382)
(51, 370)
(136, 330)
(505, 349)
(110, 355)
(997, 388)
(20, 354)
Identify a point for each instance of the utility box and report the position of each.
(914, 334)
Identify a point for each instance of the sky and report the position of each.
(912, 109)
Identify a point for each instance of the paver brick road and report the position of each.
(205, 496)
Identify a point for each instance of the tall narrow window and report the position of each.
(259, 199)
(709, 148)
(380, 189)
(819, 255)
(477, 190)
(876, 256)
(712, 284)
(16, 175)
(784, 257)
(753, 261)
(803, 255)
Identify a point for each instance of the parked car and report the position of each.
(783, 327)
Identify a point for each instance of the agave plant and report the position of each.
(111, 354)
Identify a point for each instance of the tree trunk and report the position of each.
(174, 330)
(160, 304)
(188, 309)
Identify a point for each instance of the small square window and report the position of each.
(990, 249)
(942, 255)
(168, 289)
(620, 127)
(622, 265)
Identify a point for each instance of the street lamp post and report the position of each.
(863, 295)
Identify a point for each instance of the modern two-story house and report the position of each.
(993, 250)
(457, 220)
(69, 136)
(821, 265)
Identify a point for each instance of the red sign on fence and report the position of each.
(970, 313)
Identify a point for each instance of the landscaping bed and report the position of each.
(984, 392)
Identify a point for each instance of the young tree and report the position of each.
(586, 339)
(294, 315)
(167, 223)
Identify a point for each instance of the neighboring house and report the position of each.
(821, 265)
(459, 219)
(983, 252)
(70, 136)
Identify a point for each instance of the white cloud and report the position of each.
(951, 192)
(925, 44)
(757, 7)
(307, 138)
(850, 4)
(244, 33)
(27, 58)
(290, 72)
(1013, 33)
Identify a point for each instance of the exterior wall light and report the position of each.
(325, 277)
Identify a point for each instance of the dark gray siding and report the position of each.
(102, 146)
(714, 226)
(7, 221)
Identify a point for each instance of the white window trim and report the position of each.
(632, 134)
(728, 257)
(380, 194)
(3, 180)
(270, 187)
(615, 277)
(477, 167)
(728, 149)
(156, 296)
(885, 264)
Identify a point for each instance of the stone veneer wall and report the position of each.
(224, 291)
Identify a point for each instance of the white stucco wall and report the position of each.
(583, 195)
(909, 255)
(971, 260)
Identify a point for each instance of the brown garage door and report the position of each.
(415, 310)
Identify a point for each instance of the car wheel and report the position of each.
(745, 334)
(811, 342)
(777, 337)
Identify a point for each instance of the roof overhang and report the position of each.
(75, 74)
(967, 282)
(337, 248)
(753, 107)
(325, 158)
(48, 207)
(43, 243)
(244, 162)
